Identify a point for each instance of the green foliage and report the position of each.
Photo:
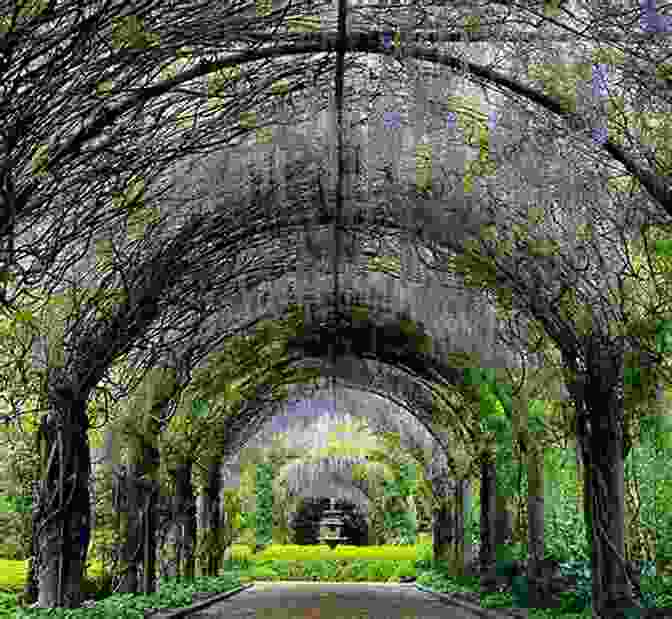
(264, 572)
(405, 569)
(400, 523)
(425, 556)
(580, 599)
(16, 504)
(171, 594)
(564, 524)
(264, 511)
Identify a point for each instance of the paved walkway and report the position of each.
(314, 600)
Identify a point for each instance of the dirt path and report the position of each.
(313, 600)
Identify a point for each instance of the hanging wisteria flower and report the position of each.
(452, 120)
(600, 80)
(650, 21)
(600, 135)
(392, 120)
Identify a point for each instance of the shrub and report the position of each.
(378, 570)
(425, 556)
(265, 572)
(580, 598)
(11, 551)
(403, 569)
(97, 587)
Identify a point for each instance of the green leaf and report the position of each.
(199, 408)
(23, 316)
(664, 337)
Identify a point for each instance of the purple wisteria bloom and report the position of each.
(650, 21)
(600, 135)
(392, 120)
(600, 80)
(387, 40)
(452, 120)
(492, 120)
(301, 408)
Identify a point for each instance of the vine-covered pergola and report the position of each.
(284, 261)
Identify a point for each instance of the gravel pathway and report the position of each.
(314, 600)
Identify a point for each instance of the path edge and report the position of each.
(486, 613)
(179, 613)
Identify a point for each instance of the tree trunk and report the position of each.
(600, 435)
(169, 551)
(185, 502)
(443, 530)
(149, 541)
(488, 511)
(535, 521)
(535, 508)
(211, 524)
(31, 589)
(129, 505)
(467, 504)
(503, 521)
(63, 538)
(604, 490)
(461, 555)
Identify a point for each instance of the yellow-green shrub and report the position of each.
(323, 552)
(264, 572)
(377, 571)
(13, 575)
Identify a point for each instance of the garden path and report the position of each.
(315, 600)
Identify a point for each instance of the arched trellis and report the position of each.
(297, 467)
(397, 390)
(418, 366)
(558, 330)
(380, 380)
(375, 342)
(383, 333)
(83, 381)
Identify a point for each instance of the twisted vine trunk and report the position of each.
(127, 503)
(463, 546)
(443, 530)
(600, 417)
(535, 511)
(31, 589)
(64, 510)
(488, 510)
(138, 529)
(185, 513)
(450, 526)
(211, 534)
